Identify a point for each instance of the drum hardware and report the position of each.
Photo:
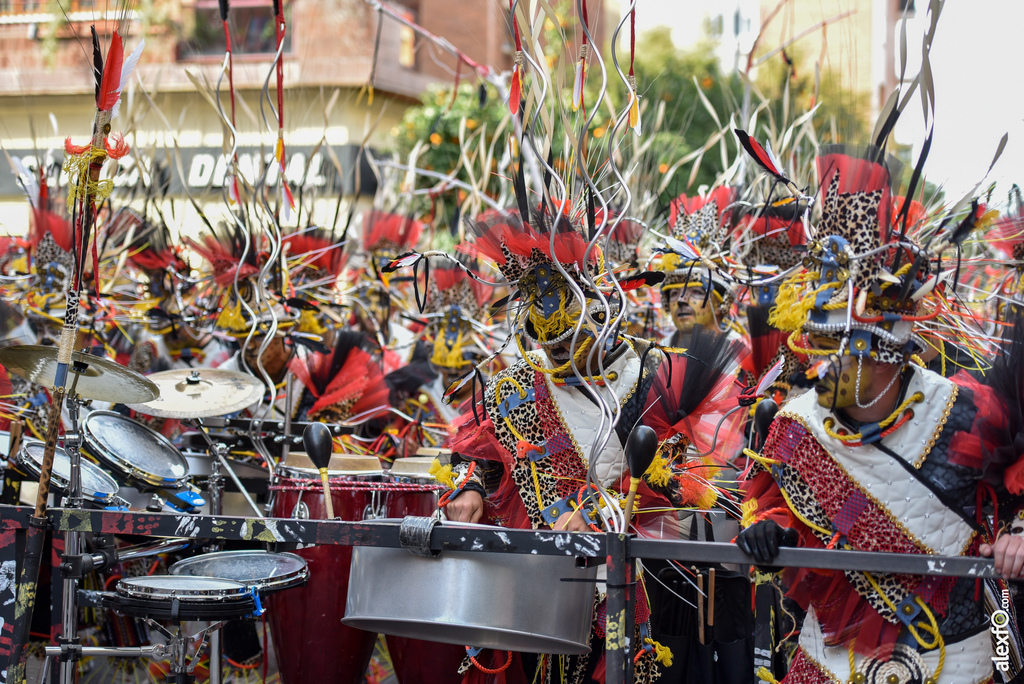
(276, 426)
(217, 451)
(375, 509)
(261, 571)
(183, 659)
(98, 488)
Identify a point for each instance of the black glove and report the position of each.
(763, 539)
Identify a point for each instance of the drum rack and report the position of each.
(617, 551)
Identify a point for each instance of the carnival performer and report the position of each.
(883, 455)
(454, 336)
(521, 456)
(376, 300)
(693, 294)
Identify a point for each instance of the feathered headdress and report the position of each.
(314, 255)
(693, 253)
(386, 235)
(867, 282)
(455, 301)
(343, 384)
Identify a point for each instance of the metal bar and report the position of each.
(453, 537)
(276, 426)
(156, 651)
(825, 559)
(618, 662)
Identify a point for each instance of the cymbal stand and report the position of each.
(72, 540)
(215, 492)
(215, 487)
(217, 452)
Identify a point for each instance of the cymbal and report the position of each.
(100, 379)
(200, 393)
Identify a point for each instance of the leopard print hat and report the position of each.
(857, 286)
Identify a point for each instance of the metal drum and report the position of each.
(97, 487)
(415, 492)
(140, 456)
(545, 605)
(264, 571)
(311, 643)
(164, 597)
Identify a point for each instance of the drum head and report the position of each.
(264, 570)
(413, 468)
(182, 588)
(297, 464)
(96, 484)
(183, 598)
(133, 449)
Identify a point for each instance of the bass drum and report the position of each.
(415, 492)
(311, 643)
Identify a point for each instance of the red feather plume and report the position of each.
(330, 257)
(110, 86)
(385, 227)
(722, 196)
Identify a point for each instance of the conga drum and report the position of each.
(413, 491)
(312, 644)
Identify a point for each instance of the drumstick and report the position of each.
(700, 607)
(711, 604)
(641, 446)
(327, 494)
(316, 438)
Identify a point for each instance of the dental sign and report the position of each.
(203, 170)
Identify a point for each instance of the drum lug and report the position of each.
(375, 509)
(301, 510)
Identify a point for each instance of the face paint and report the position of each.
(691, 307)
(843, 381)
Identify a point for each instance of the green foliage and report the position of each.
(50, 42)
(438, 120)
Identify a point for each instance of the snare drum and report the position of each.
(165, 597)
(140, 456)
(415, 492)
(97, 487)
(264, 571)
(311, 643)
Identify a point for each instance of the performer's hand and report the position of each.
(1008, 553)
(466, 507)
(571, 522)
(763, 539)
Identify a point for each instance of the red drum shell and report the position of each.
(416, 661)
(305, 623)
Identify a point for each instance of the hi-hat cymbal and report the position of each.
(98, 378)
(201, 393)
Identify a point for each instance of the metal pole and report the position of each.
(618, 663)
(72, 539)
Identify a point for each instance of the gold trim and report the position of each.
(938, 429)
(821, 668)
(561, 418)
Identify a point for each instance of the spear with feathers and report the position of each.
(83, 164)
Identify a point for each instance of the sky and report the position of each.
(977, 59)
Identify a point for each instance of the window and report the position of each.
(252, 29)
(22, 6)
